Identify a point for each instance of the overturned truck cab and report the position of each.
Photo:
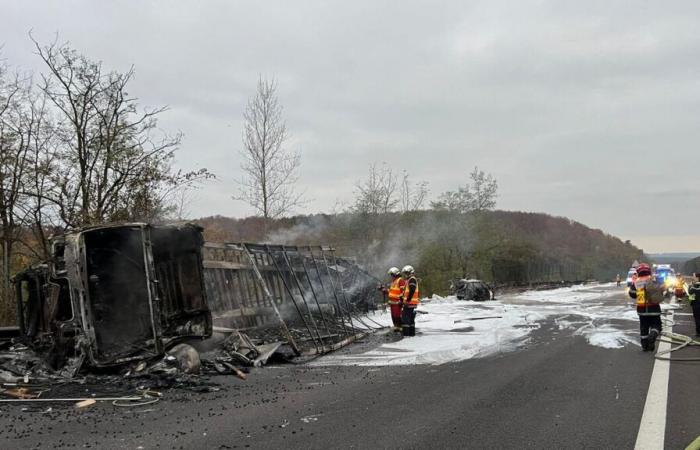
(114, 294)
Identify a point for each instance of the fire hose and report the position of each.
(682, 341)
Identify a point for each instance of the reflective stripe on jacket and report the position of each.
(396, 291)
(415, 298)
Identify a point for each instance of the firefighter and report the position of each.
(395, 296)
(648, 295)
(680, 288)
(411, 299)
(693, 294)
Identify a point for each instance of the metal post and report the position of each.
(320, 279)
(261, 280)
(291, 295)
(342, 290)
(335, 292)
(301, 292)
(313, 292)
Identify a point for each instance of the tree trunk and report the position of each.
(5, 285)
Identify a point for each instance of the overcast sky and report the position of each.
(589, 110)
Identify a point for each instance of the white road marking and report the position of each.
(652, 428)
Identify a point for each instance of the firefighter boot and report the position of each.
(653, 335)
(645, 344)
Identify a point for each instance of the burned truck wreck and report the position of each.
(114, 294)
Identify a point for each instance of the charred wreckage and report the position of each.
(132, 295)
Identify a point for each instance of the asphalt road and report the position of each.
(557, 392)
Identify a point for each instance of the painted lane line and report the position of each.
(652, 428)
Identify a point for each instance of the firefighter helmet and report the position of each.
(643, 269)
(408, 270)
(394, 272)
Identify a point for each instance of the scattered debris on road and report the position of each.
(85, 403)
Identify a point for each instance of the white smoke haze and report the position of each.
(388, 241)
(312, 229)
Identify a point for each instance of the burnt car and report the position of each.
(115, 293)
(476, 290)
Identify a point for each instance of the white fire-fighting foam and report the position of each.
(455, 330)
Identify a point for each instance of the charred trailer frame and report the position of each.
(301, 295)
(116, 293)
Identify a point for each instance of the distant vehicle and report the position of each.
(475, 290)
(631, 276)
(665, 275)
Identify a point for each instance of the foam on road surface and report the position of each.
(454, 330)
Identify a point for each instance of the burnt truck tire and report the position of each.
(187, 358)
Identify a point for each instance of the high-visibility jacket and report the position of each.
(396, 290)
(693, 291)
(680, 289)
(646, 306)
(415, 298)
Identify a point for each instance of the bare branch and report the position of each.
(412, 195)
(377, 193)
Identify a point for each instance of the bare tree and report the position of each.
(270, 170)
(41, 218)
(377, 193)
(181, 201)
(23, 131)
(412, 195)
(477, 195)
(113, 164)
(13, 164)
(75, 150)
(484, 189)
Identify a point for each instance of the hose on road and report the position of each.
(682, 341)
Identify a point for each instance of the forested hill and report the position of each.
(503, 247)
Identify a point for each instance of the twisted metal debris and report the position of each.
(305, 296)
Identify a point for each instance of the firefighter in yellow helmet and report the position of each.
(411, 299)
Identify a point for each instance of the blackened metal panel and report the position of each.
(177, 256)
(117, 281)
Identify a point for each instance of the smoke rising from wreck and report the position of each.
(387, 240)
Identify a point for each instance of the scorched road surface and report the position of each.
(556, 391)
